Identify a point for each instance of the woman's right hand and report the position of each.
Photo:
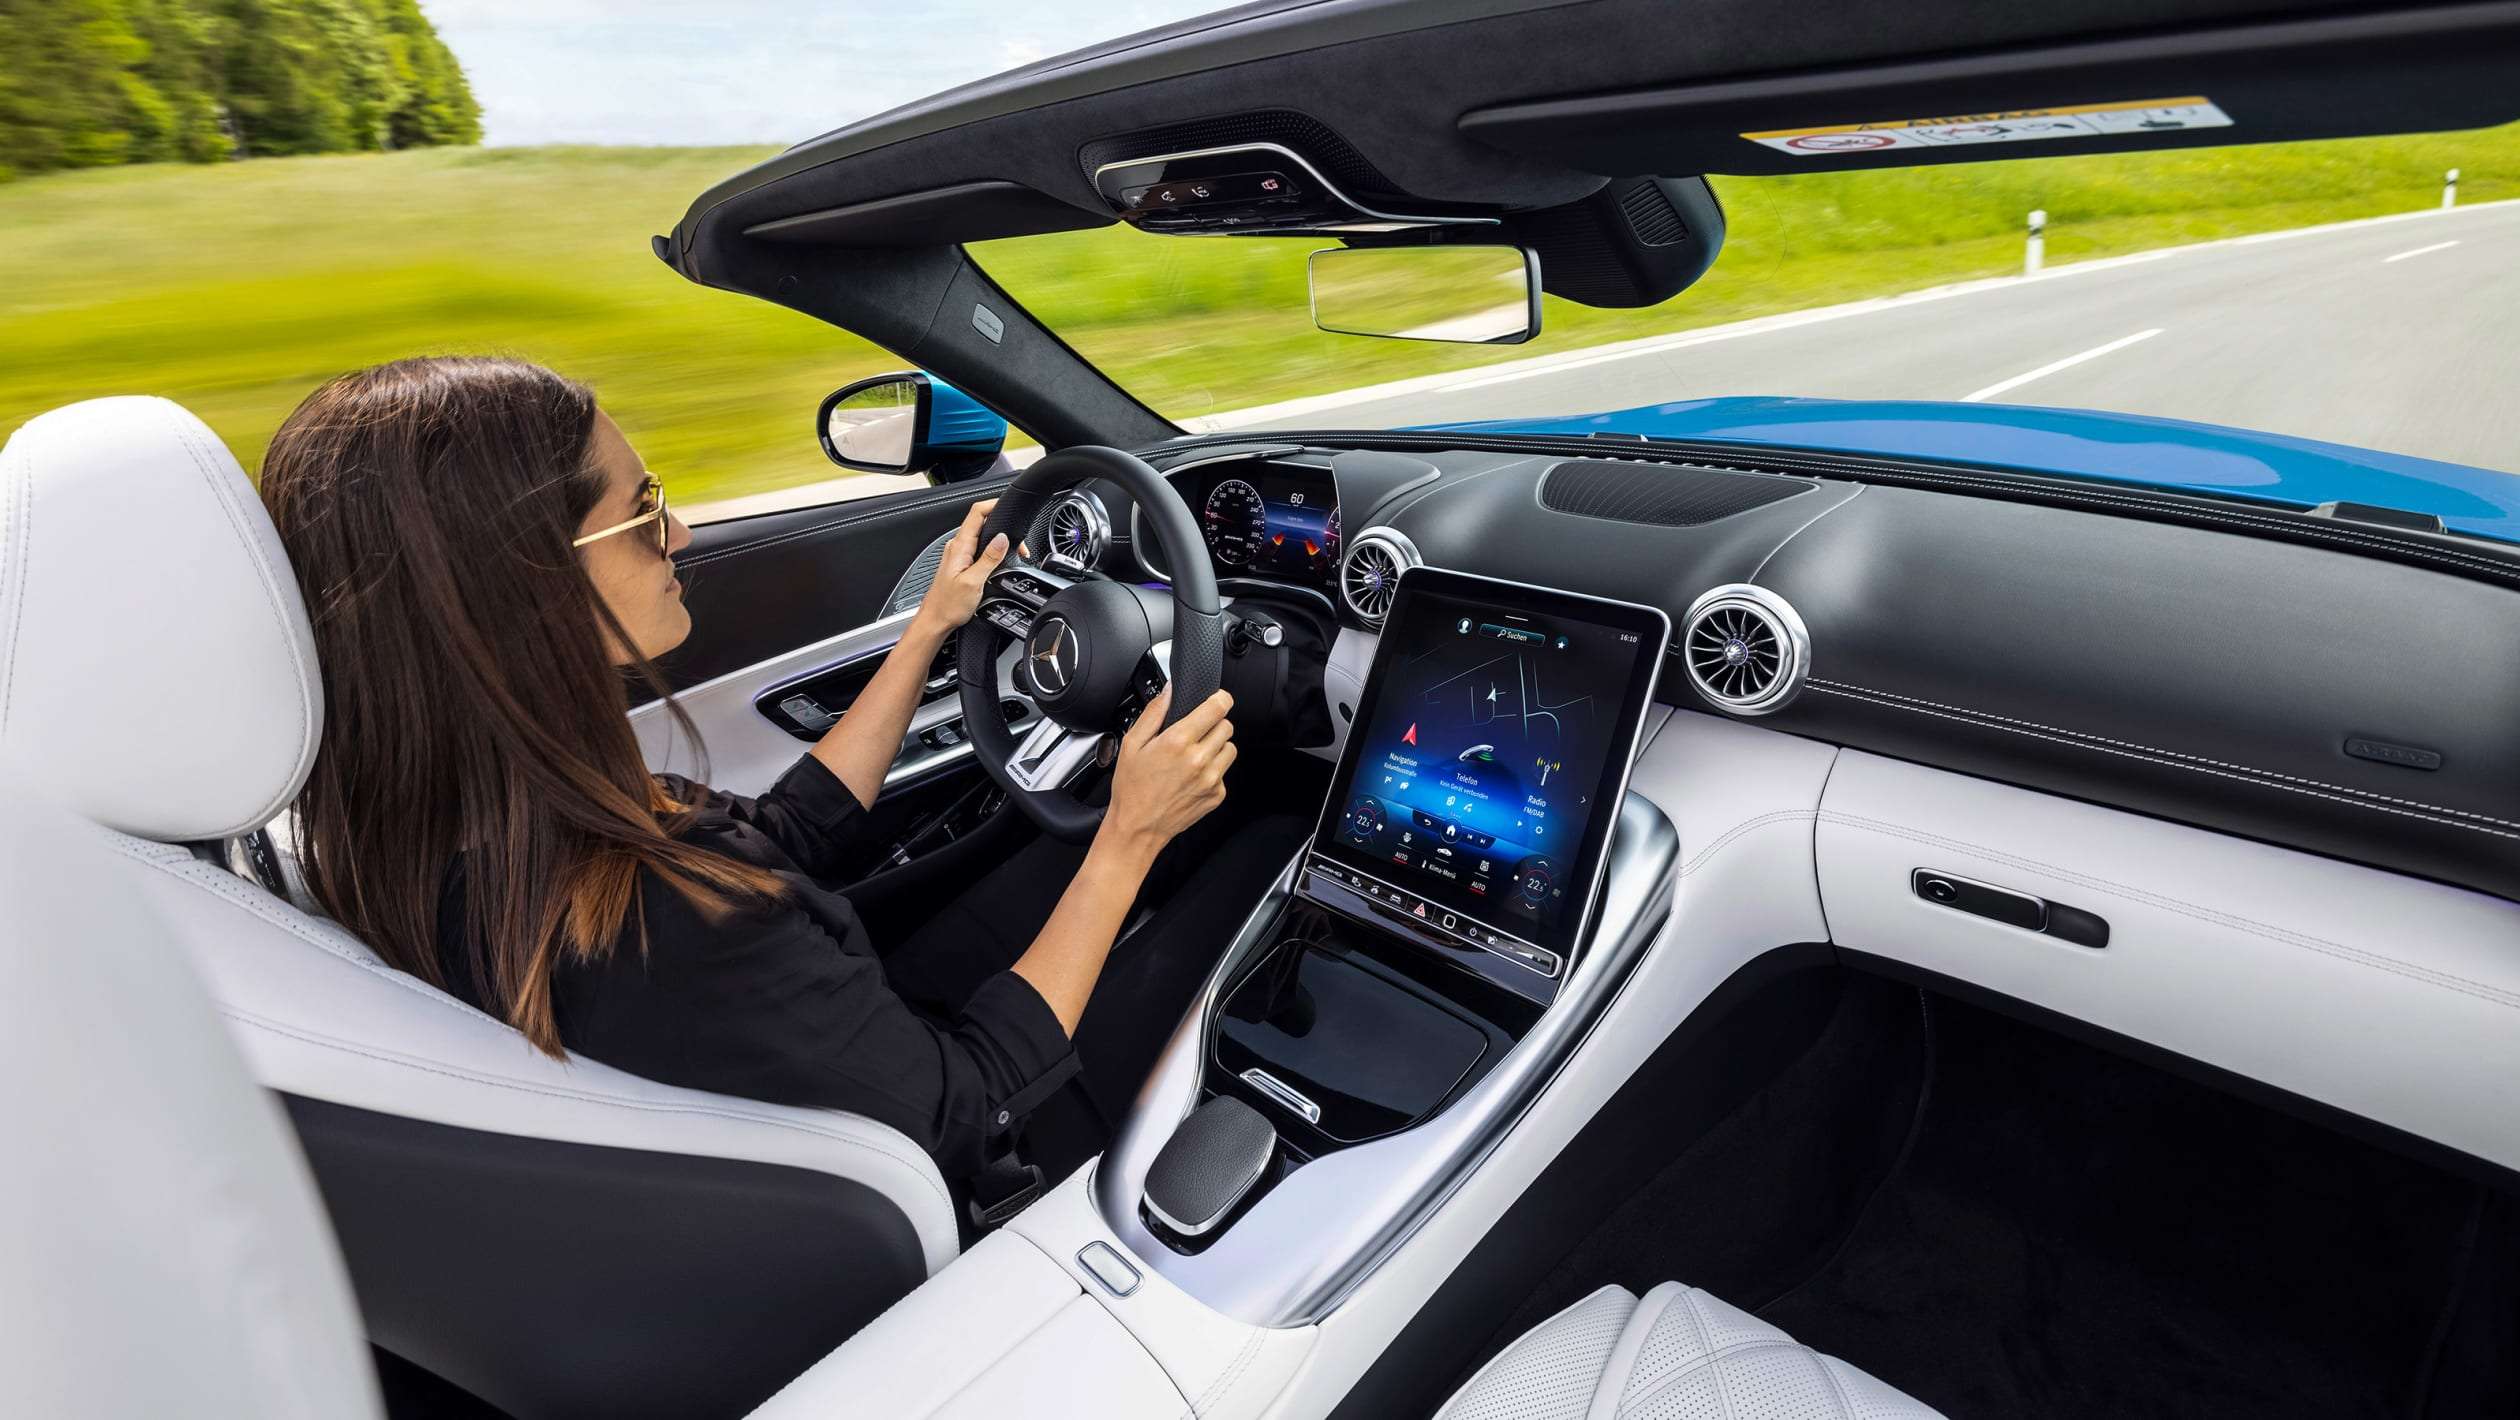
(1169, 778)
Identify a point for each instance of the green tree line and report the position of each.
(91, 83)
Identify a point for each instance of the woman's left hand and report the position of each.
(963, 573)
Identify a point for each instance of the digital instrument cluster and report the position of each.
(1272, 520)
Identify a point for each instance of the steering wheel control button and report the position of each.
(1104, 1264)
(1009, 618)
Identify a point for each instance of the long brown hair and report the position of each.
(474, 709)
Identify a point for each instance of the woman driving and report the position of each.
(486, 559)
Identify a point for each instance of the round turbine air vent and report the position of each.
(1746, 648)
(1075, 529)
(1369, 575)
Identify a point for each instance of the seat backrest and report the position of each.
(165, 1251)
(551, 1235)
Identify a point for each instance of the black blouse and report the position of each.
(788, 1002)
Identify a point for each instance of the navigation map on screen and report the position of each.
(1481, 766)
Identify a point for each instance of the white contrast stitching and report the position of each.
(1225, 1380)
(1737, 830)
(1710, 1362)
(2171, 753)
(184, 867)
(2168, 763)
(2429, 976)
(1723, 1393)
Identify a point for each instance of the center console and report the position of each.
(1477, 886)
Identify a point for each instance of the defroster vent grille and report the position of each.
(1660, 494)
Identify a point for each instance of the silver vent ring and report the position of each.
(1370, 570)
(1075, 529)
(1745, 648)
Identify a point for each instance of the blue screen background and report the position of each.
(1475, 779)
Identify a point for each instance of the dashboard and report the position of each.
(1277, 519)
(2270, 674)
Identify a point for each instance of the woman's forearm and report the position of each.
(1067, 958)
(861, 748)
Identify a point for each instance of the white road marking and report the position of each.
(1506, 372)
(2419, 251)
(2067, 363)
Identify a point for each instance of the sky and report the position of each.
(749, 71)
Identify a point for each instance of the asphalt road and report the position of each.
(2401, 335)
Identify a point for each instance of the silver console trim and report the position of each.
(1297, 1253)
(1283, 1093)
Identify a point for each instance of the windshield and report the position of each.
(2315, 290)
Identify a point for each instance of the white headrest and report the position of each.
(167, 1252)
(157, 672)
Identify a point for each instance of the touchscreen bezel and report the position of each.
(1653, 629)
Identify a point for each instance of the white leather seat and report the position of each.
(166, 1252)
(1675, 1354)
(498, 1207)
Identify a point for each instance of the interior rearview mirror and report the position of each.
(911, 422)
(1474, 295)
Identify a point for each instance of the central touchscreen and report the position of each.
(1481, 778)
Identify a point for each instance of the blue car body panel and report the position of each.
(2122, 448)
(957, 423)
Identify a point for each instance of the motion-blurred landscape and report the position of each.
(237, 286)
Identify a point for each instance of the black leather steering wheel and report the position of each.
(1094, 649)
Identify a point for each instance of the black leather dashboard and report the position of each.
(2283, 688)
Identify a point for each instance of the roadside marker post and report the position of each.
(2450, 189)
(2034, 255)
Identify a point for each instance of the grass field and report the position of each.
(237, 289)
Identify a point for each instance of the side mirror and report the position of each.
(910, 422)
(1472, 295)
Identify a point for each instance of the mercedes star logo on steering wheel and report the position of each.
(1052, 652)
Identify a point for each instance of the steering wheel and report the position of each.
(1095, 650)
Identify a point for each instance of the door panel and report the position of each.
(791, 614)
(758, 587)
(748, 733)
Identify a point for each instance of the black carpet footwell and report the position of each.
(2005, 1223)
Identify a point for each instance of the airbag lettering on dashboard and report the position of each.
(2016, 125)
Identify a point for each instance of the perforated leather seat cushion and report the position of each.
(1677, 1354)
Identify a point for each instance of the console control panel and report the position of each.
(1361, 894)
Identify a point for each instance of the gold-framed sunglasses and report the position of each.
(651, 510)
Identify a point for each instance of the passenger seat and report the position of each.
(1678, 1354)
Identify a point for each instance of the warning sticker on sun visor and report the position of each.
(2019, 125)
